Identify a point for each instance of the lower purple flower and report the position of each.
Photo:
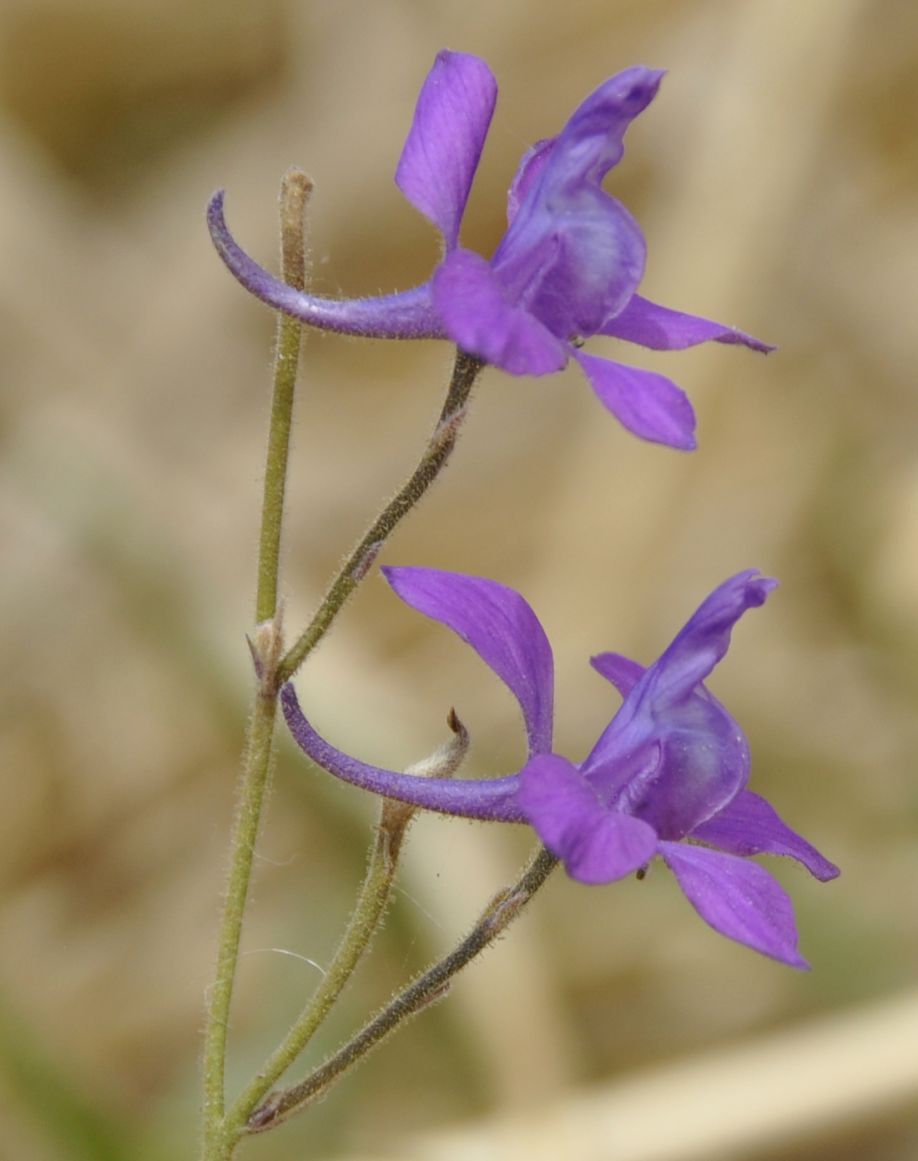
(667, 776)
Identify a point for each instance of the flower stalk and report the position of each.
(432, 462)
(366, 919)
(427, 989)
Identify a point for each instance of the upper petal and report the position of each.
(408, 315)
(478, 316)
(447, 135)
(673, 755)
(649, 405)
(597, 845)
(661, 329)
(492, 800)
(557, 195)
(502, 629)
(704, 639)
(750, 826)
(592, 141)
(738, 899)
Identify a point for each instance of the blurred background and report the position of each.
(774, 178)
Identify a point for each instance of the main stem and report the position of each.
(259, 752)
(295, 191)
(255, 776)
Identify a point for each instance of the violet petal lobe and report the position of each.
(704, 763)
(502, 629)
(737, 898)
(646, 403)
(592, 141)
(531, 165)
(621, 671)
(409, 314)
(597, 845)
(447, 135)
(594, 251)
(491, 799)
(661, 329)
(673, 770)
(480, 319)
(750, 826)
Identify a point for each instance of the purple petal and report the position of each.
(590, 259)
(531, 165)
(501, 628)
(492, 800)
(662, 329)
(596, 844)
(649, 405)
(478, 318)
(738, 899)
(750, 826)
(591, 142)
(447, 135)
(621, 671)
(705, 638)
(674, 769)
(599, 252)
(704, 763)
(408, 315)
(673, 755)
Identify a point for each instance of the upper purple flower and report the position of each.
(567, 268)
(667, 776)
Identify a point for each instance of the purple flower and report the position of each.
(567, 268)
(667, 776)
